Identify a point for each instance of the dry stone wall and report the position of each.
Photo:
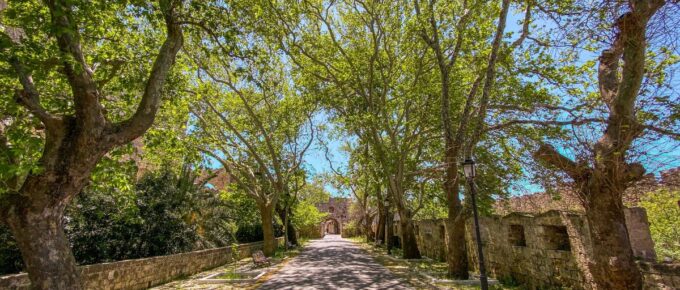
(147, 272)
(547, 250)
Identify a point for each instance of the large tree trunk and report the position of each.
(34, 213)
(290, 229)
(45, 249)
(368, 228)
(380, 230)
(409, 243)
(456, 254)
(73, 145)
(266, 213)
(613, 264)
(602, 184)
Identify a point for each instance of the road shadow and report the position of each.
(334, 263)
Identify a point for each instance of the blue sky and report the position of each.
(666, 153)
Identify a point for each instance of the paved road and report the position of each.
(333, 263)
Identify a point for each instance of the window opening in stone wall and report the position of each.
(442, 232)
(516, 236)
(556, 238)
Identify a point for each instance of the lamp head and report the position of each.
(469, 168)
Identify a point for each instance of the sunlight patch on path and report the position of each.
(333, 263)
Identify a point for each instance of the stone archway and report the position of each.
(331, 227)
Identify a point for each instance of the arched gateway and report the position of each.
(331, 227)
(337, 215)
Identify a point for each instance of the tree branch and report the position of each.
(525, 26)
(490, 78)
(79, 75)
(145, 114)
(30, 98)
(575, 122)
(548, 155)
(662, 131)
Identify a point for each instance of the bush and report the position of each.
(250, 233)
(663, 212)
(165, 214)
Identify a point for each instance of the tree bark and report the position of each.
(45, 249)
(266, 213)
(292, 233)
(368, 228)
(613, 263)
(389, 229)
(602, 183)
(409, 243)
(380, 230)
(73, 145)
(456, 257)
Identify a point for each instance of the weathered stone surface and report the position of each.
(146, 272)
(552, 252)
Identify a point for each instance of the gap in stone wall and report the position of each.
(556, 238)
(516, 236)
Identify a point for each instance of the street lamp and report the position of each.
(470, 172)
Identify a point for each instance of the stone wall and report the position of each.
(147, 272)
(431, 237)
(638, 231)
(337, 209)
(544, 250)
(536, 251)
(660, 276)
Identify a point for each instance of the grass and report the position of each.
(234, 276)
(408, 270)
(282, 254)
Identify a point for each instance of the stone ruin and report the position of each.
(546, 250)
(337, 209)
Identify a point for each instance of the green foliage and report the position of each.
(169, 214)
(166, 213)
(246, 222)
(663, 212)
(306, 215)
(119, 40)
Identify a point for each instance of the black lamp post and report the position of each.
(470, 171)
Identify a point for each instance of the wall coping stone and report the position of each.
(165, 269)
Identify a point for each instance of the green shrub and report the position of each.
(663, 212)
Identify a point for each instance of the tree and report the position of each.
(601, 178)
(457, 139)
(252, 121)
(358, 57)
(75, 129)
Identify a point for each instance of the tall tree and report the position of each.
(601, 177)
(63, 75)
(252, 120)
(359, 57)
(435, 32)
